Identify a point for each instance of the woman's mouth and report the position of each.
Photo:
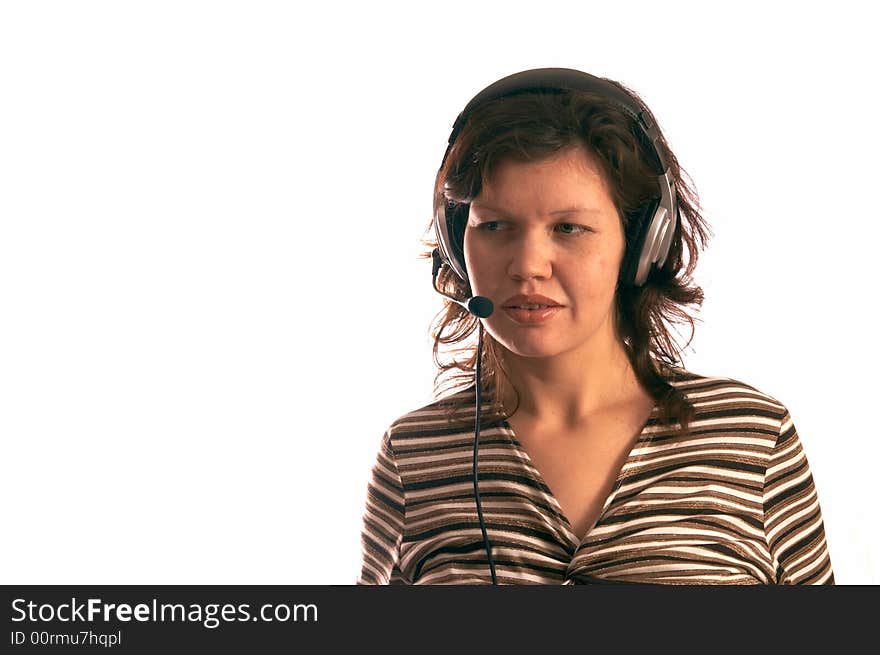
(532, 314)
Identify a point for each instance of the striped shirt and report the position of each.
(733, 502)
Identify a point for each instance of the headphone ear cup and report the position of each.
(636, 232)
(456, 221)
(449, 232)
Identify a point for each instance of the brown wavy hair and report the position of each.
(533, 126)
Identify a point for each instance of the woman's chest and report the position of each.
(669, 511)
(581, 465)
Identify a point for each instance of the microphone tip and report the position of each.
(481, 307)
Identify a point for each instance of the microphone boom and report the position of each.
(479, 306)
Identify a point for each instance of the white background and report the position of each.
(211, 305)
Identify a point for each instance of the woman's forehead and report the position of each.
(565, 183)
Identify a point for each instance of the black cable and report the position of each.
(476, 451)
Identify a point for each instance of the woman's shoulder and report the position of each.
(444, 415)
(721, 393)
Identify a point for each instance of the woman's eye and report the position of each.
(581, 228)
(566, 228)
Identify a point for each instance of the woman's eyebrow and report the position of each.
(557, 212)
(577, 210)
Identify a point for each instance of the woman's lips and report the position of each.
(532, 316)
(520, 299)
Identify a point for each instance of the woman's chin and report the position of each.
(533, 350)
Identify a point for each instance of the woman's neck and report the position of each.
(564, 390)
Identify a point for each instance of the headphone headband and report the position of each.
(556, 80)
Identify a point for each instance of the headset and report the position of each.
(651, 226)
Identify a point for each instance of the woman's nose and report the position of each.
(530, 256)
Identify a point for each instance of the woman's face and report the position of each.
(547, 227)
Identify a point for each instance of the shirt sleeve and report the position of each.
(792, 517)
(383, 520)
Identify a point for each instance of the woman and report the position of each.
(561, 225)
